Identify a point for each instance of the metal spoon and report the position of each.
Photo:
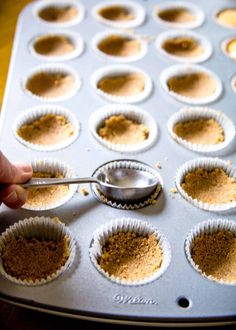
(119, 184)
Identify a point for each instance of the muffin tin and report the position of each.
(181, 295)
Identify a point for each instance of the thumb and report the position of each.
(13, 173)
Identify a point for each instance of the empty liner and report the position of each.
(119, 59)
(74, 38)
(207, 164)
(179, 70)
(152, 199)
(43, 4)
(208, 227)
(35, 113)
(203, 42)
(52, 166)
(189, 114)
(120, 70)
(101, 236)
(136, 10)
(97, 120)
(41, 228)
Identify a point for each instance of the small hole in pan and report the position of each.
(183, 302)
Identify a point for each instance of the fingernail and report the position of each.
(12, 198)
(25, 167)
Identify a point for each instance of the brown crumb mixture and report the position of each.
(116, 13)
(210, 186)
(53, 45)
(215, 254)
(123, 85)
(183, 46)
(130, 256)
(116, 45)
(47, 195)
(120, 129)
(177, 15)
(201, 131)
(34, 259)
(47, 130)
(45, 84)
(58, 14)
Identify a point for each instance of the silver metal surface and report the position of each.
(82, 291)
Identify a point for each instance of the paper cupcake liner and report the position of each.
(208, 227)
(38, 227)
(49, 165)
(208, 164)
(233, 83)
(181, 69)
(97, 119)
(53, 68)
(136, 9)
(113, 70)
(224, 47)
(101, 236)
(118, 59)
(75, 39)
(48, 3)
(127, 205)
(217, 21)
(201, 40)
(188, 113)
(195, 10)
(32, 114)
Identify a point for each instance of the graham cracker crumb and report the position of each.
(173, 190)
(215, 254)
(130, 256)
(84, 191)
(158, 165)
(229, 161)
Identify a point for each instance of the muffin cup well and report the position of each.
(181, 69)
(151, 199)
(114, 70)
(208, 227)
(193, 113)
(97, 119)
(224, 47)
(119, 59)
(32, 114)
(48, 3)
(52, 166)
(217, 21)
(195, 10)
(53, 69)
(102, 235)
(75, 39)
(135, 8)
(38, 227)
(208, 164)
(201, 40)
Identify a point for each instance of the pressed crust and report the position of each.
(227, 17)
(53, 45)
(183, 47)
(58, 14)
(176, 15)
(120, 129)
(130, 256)
(116, 13)
(119, 46)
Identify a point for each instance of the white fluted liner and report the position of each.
(32, 114)
(39, 5)
(182, 69)
(97, 120)
(233, 83)
(52, 166)
(137, 10)
(116, 70)
(208, 164)
(38, 227)
(203, 42)
(195, 10)
(149, 200)
(208, 227)
(74, 37)
(53, 69)
(101, 236)
(194, 113)
(119, 59)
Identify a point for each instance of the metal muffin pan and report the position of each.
(181, 295)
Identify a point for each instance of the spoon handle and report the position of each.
(44, 182)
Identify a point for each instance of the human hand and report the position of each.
(11, 194)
